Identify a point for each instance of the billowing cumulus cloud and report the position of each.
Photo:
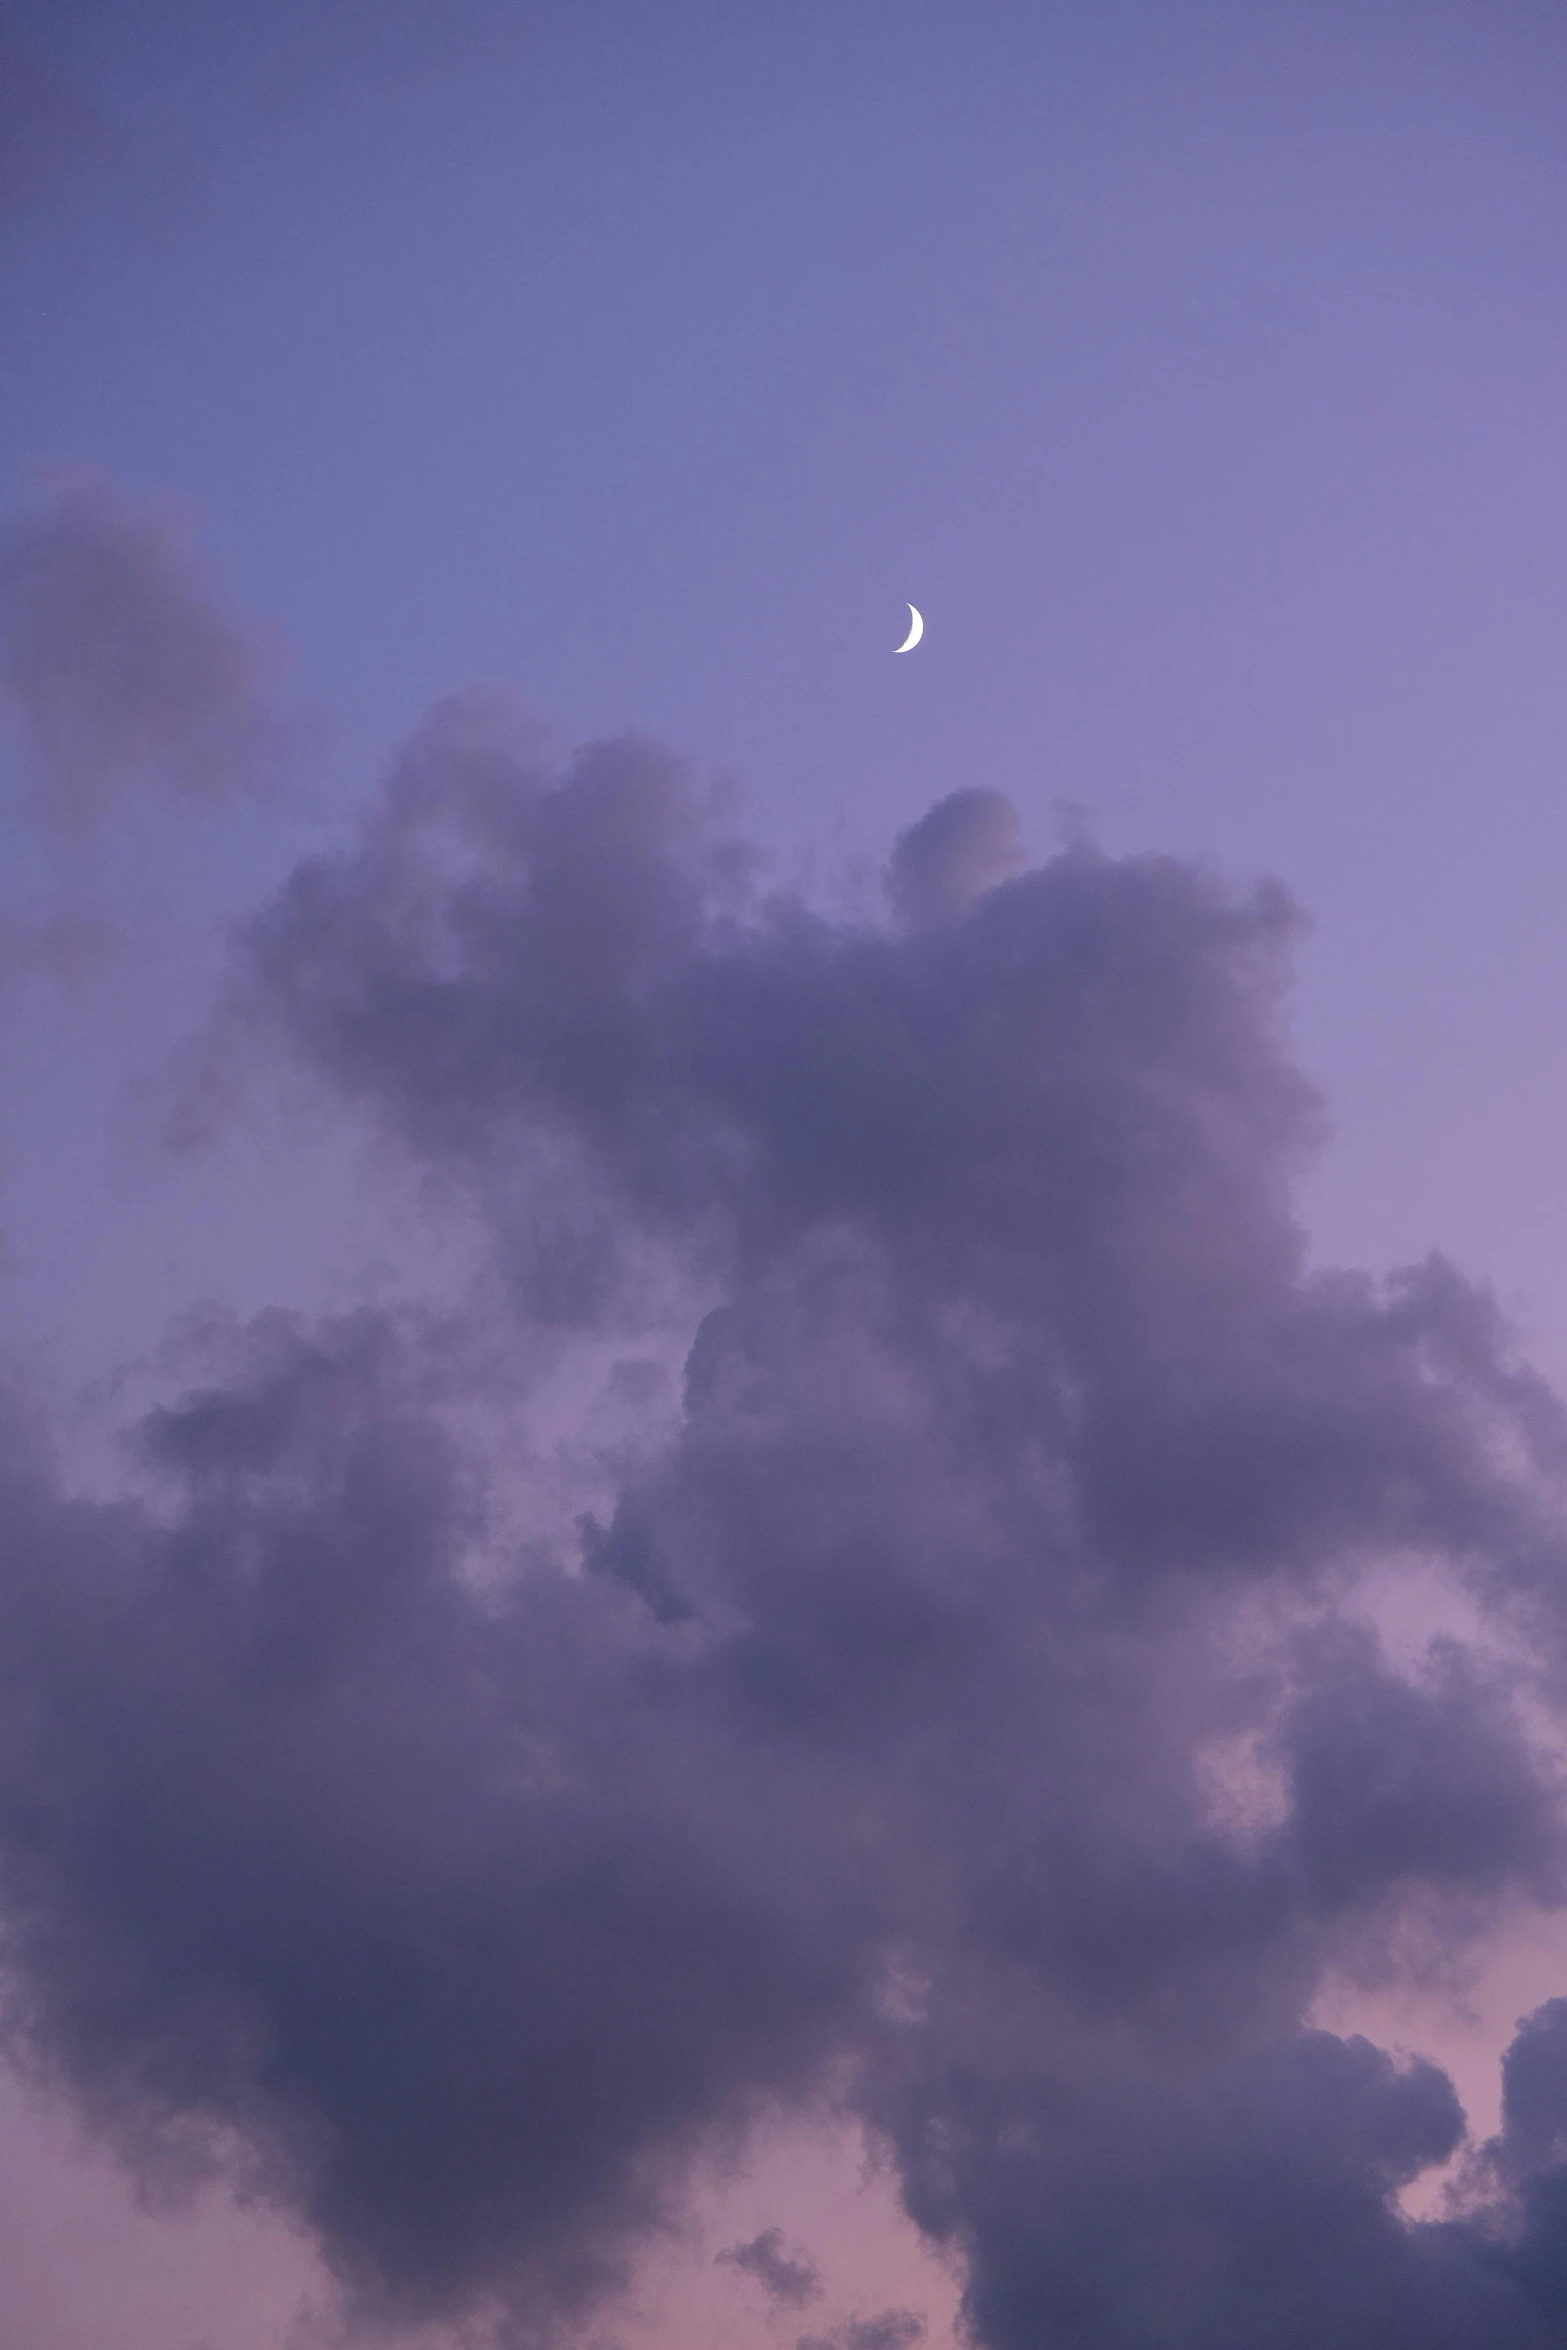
(118, 667)
(973, 1714)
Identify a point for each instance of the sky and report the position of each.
(781, 1456)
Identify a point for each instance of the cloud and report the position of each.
(861, 1749)
(343, 1782)
(790, 2277)
(117, 666)
(893, 2329)
(1248, 2201)
(962, 848)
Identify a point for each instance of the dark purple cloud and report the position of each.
(787, 2276)
(871, 1741)
(893, 2329)
(117, 665)
(289, 1775)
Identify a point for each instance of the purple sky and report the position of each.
(692, 1490)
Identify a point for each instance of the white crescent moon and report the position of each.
(916, 631)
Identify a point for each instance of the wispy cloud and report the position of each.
(788, 2276)
(119, 667)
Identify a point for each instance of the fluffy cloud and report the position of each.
(866, 1745)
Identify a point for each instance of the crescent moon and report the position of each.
(916, 631)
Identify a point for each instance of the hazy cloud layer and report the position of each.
(974, 1712)
(118, 667)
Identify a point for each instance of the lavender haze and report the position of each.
(687, 1460)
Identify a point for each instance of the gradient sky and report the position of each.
(1197, 370)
